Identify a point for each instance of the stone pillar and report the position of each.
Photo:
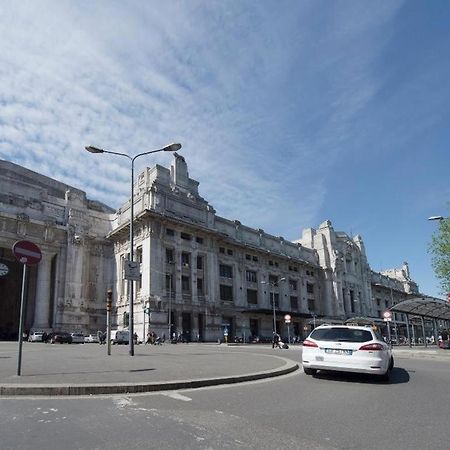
(42, 300)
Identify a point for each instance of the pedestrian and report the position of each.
(135, 337)
(276, 340)
(44, 337)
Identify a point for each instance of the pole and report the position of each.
(130, 282)
(22, 319)
(108, 320)
(170, 308)
(407, 330)
(274, 315)
(289, 335)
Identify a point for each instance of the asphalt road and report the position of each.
(294, 411)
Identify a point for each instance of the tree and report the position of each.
(440, 251)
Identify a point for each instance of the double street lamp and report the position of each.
(272, 294)
(168, 148)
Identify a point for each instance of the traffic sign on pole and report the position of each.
(27, 252)
(287, 318)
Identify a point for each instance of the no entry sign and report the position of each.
(27, 253)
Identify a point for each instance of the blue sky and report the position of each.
(289, 112)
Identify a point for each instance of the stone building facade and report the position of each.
(66, 290)
(201, 275)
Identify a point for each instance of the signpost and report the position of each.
(387, 317)
(28, 254)
(287, 320)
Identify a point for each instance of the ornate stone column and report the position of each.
(42, 299)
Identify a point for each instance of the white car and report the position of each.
(36, 336)
(77, 338)
(347, 348)
(91, 338)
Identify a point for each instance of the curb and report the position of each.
(135, 388)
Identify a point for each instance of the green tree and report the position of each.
(440, 251)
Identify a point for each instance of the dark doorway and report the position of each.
(201, 327)
(10, 296)
(186, 325)
(228, 323)
(254, 327)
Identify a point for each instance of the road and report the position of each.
(332, 411)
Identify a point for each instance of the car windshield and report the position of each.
(342, 335)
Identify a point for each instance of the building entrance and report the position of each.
(186, 326)
(10, 295)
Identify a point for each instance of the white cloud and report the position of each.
(227, 79)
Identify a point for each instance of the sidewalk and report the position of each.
(86, 369)
(432, 351)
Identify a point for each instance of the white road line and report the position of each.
(177, 396)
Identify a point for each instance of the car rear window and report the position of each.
(341, 335)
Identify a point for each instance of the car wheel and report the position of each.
(391, 364)
(309, 371)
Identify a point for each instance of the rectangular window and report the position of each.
(252, 296)
(248, 257)
(270, 263)
(170, 232)
(169, 255)
(199, 240)
(251, 276)
(293, 285)
(186, 259)
(186, 236)
(255, 258)
(221, 249)
(200, 286)
(185, 284)
(309, 288)
(311, 304)
(226, 293)
(273, 279)
(294, 303)
(225, 271)
(170, 285)
(200, 262)
(229, 252)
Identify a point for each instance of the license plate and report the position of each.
(338, 351)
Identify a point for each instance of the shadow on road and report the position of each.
(398, 376)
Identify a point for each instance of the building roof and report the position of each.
(430, 307)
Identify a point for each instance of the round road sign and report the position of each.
(287, 318)
(27, 253)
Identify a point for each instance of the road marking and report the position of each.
(177, 396)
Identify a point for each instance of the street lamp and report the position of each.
(436, 218)
(168, 148)
(171, 263)
(272, 294)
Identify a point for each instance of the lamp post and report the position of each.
(168, 148)
(169, 321)
(272, 295)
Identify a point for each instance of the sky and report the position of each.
(290, 112)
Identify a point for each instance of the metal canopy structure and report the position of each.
(429, 307)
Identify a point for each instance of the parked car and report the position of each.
(120, 337)
(60, 337)
(36, 336)
(91, 338)
(77, 338)
(347, 348)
